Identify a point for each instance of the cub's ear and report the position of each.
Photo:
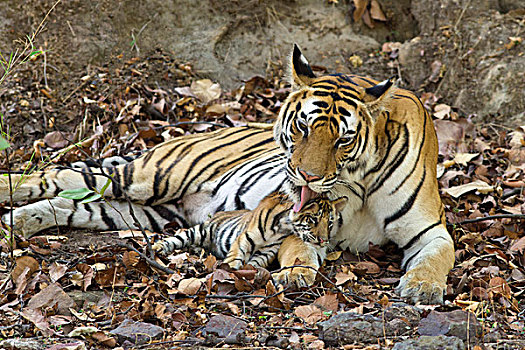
(302, 73)
(340, 203)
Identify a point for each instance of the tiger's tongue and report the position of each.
(306, 194)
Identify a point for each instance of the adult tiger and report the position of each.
(343, 135)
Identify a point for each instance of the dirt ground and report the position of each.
(121, 76)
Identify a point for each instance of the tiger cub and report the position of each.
(254, 236)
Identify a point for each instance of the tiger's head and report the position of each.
(319, 220)
(325, 126)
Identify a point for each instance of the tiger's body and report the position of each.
(254, 236)
(340, 135)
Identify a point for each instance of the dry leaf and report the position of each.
(327, 302)
(376, 12)
(56, 271)
(477, 185)
(332, 256)
(441, 111)
(464, 158)
(205, 90)
(369, 266)
(189, 286)
(130, 258)
(343, 277)
(360, 7)
(519, 245)
(23, 262)
(309, 313)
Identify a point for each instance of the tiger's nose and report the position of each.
(308, 176)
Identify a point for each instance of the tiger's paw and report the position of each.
(420, 290)
(295, 277)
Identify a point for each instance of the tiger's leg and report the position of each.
(107, 215)
(427, 260)
(294, 251)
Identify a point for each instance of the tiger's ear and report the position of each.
(340, 203)
(376, 97)
(302, 73)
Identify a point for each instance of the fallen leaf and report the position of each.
(130, 258)
(205, 90)
(327, 302)
(360, 7)
(189, 286)
(343, 277)
(309, 313)
(369, 266)
(56, 271)
(478, 185)
(58, 139)
(441, 111)
(519, 245)
(464, 158)
(376, 12)
(23, 262)
(332, 256)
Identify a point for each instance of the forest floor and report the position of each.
(70, 289)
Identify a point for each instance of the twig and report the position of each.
(491, 217)
(148, 260)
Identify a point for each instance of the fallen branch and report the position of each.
(491, 217)
(148, 260)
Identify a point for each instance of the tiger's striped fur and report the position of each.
(340, 135)
(254, 236)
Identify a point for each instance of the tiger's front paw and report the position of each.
(418, 288)
(234, 262)
(295, 277)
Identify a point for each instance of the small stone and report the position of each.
(425, 342)
(137, 332)
(225, 326)
(454, 323)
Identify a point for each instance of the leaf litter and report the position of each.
(79, 288)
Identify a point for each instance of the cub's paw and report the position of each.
(420, 290)
(295, 277)
(158, 248)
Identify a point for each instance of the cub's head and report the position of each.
(325, 126)
(319, 220)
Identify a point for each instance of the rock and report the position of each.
(51, 295)
(349, 327)
(137, 332)
(439, 342)
(454, 323)
(225, 326)
(22, 344)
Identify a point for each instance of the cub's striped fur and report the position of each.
(254, 236)
(339, 135)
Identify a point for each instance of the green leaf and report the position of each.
(91, 198)
(105, 187)
(3, 143)
(77, 193)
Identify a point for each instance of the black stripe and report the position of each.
(107, 219)
(417, 160)
(409, 244)
(409, 203)
(252, 243)
(155, 227)
(203, 155)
